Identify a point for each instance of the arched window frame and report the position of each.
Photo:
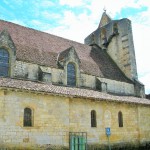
(120, 119)
(71, 78)
(4, 62)
(28, 117)
(115, 28)
(103, 36)
(93, 118)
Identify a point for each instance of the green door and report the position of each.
(72, 142)
(82, 143)
(77, 143)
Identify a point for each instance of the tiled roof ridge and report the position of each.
(68, 91)
(43, 32)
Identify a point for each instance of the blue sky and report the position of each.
(75, 19)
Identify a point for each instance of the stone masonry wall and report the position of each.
(55, 116)
(50, 120)
(117, 87)
(107, 116)
(30, 71)
(120, 46)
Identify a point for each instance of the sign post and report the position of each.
(108, 133)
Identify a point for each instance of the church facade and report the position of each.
(60, 94)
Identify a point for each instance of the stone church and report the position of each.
(56, 93)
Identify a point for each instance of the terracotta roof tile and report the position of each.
(68, 91)
(42, 48)
(107, 66)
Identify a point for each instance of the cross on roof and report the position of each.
(104, 9)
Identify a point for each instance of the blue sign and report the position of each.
(108, 132)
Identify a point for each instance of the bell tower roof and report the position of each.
(105, 19)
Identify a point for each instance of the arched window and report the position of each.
(103, 36)
(4, 62)
(27, 122)
(71, 74)
(93, 38)
(120, 119)
(115, 28)
(93, 118)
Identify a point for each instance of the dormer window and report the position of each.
(4, 63)
(71, 74)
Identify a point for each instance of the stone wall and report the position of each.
(107, 116)
(120, 88)
(123, 47)
(55, 116)
(31, 71)
(119, 45)
(50, 120)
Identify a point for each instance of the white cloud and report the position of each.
(48, 15)
(39, 25)
(74, 27)
(18, 22)
(47, 3)
(71, 3)
(141, 39)
(141, 32)
(142, 49)
(112, 7)
(146, 80)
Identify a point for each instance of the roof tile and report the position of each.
(42, 48)
(68, 91)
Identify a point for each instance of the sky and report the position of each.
(75, 19)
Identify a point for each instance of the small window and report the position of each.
(27, 117)
(93, 38)
(93, 118)
(103, 36)
(120, 119)
(115, 28)
(4, 62)
(71, 75)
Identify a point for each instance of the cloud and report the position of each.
(5, 11)
(141, 39)
(141, 32)
(39, 25)
(142, 54)
(75, 27)
(46, 3)
(146, 80)
(71, 3)
(18, 22)
(49, 15)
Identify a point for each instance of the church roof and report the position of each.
(43, 48)
(105, 19)
(8, 83)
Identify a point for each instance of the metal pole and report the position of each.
(109, 143)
